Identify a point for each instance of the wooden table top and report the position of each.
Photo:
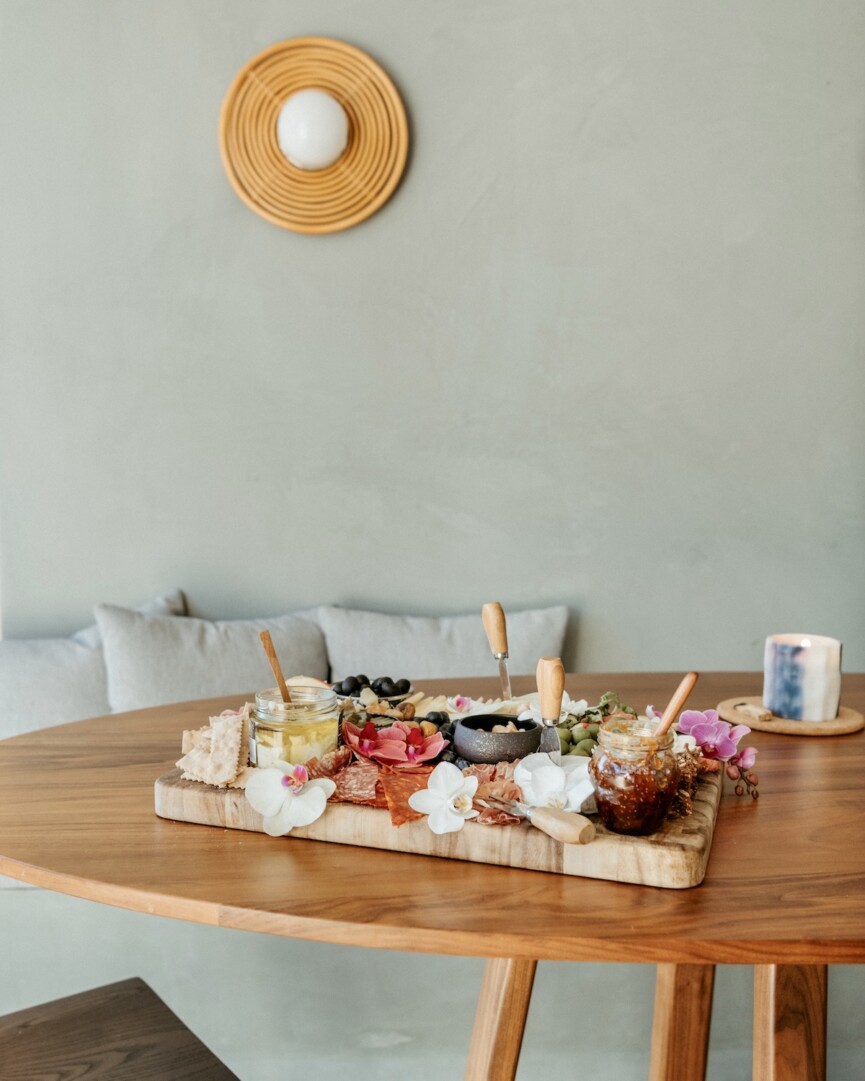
(785, 883)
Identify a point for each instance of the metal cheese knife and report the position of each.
(497, 635)
(551, 688)
(566, 826)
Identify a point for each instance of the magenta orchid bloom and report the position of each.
(746, 758)
(295, 779)
(398, 745)
(365, 740)
(714, 737)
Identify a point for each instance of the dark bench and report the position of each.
(120, 1032)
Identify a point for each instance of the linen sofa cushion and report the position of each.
(47, 681)
(152, 660)
(424, 647)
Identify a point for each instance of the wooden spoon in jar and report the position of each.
(267, 642)
(678, 700)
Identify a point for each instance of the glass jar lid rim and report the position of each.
(303, 696)
(640, 730)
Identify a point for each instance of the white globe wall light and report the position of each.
(313, 135)
(312, 129)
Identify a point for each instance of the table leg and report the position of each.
(500, 1020)
(790, 1023)
(680, 1030)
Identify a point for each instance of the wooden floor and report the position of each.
(120, 1032)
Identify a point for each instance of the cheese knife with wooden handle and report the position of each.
(493, 617)
(566, 826)
(551, 688)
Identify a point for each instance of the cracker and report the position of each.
(217, 755)
(195, 737)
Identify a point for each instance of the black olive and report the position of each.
(388, 689)
(338, 688)
(349, 685)
(363, 681)
(402, 686)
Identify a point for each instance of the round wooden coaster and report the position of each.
(848, 720)
(320, 200)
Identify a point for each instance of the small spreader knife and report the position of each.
(551, 688)
(497, 635)
(566, 826)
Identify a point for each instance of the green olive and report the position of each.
(576, 752)
(593, 730)
(586, 746)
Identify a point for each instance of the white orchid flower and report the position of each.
(571, 707)
(286, 797)
(682, 743)
(447, 799)
(566, 786)
(574, 707)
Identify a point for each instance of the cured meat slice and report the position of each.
(399, 785)
(356, 783)
(482, 771)
(496, 781)
(329, 764)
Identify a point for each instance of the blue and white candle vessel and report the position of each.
(802, 676)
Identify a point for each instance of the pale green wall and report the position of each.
(605, 346)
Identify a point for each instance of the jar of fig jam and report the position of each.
(635, 775)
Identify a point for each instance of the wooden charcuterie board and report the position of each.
(673, 858)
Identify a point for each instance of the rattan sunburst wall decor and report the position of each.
(317, 198)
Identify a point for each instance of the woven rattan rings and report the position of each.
(359, 182)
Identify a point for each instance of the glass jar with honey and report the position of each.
(635, 773)
(306, 727)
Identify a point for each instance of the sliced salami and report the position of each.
(329, 764)
(356, 783)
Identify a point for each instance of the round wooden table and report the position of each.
(784, 891)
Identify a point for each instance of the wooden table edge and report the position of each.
(528, 946)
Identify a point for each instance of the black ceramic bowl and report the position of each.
(475, 740)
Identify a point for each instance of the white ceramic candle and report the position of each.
(802, 676)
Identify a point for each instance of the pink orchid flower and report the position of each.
(746, 758)
(398, 745)
(714, 737)
(295, 779)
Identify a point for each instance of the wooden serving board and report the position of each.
(674, 858)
